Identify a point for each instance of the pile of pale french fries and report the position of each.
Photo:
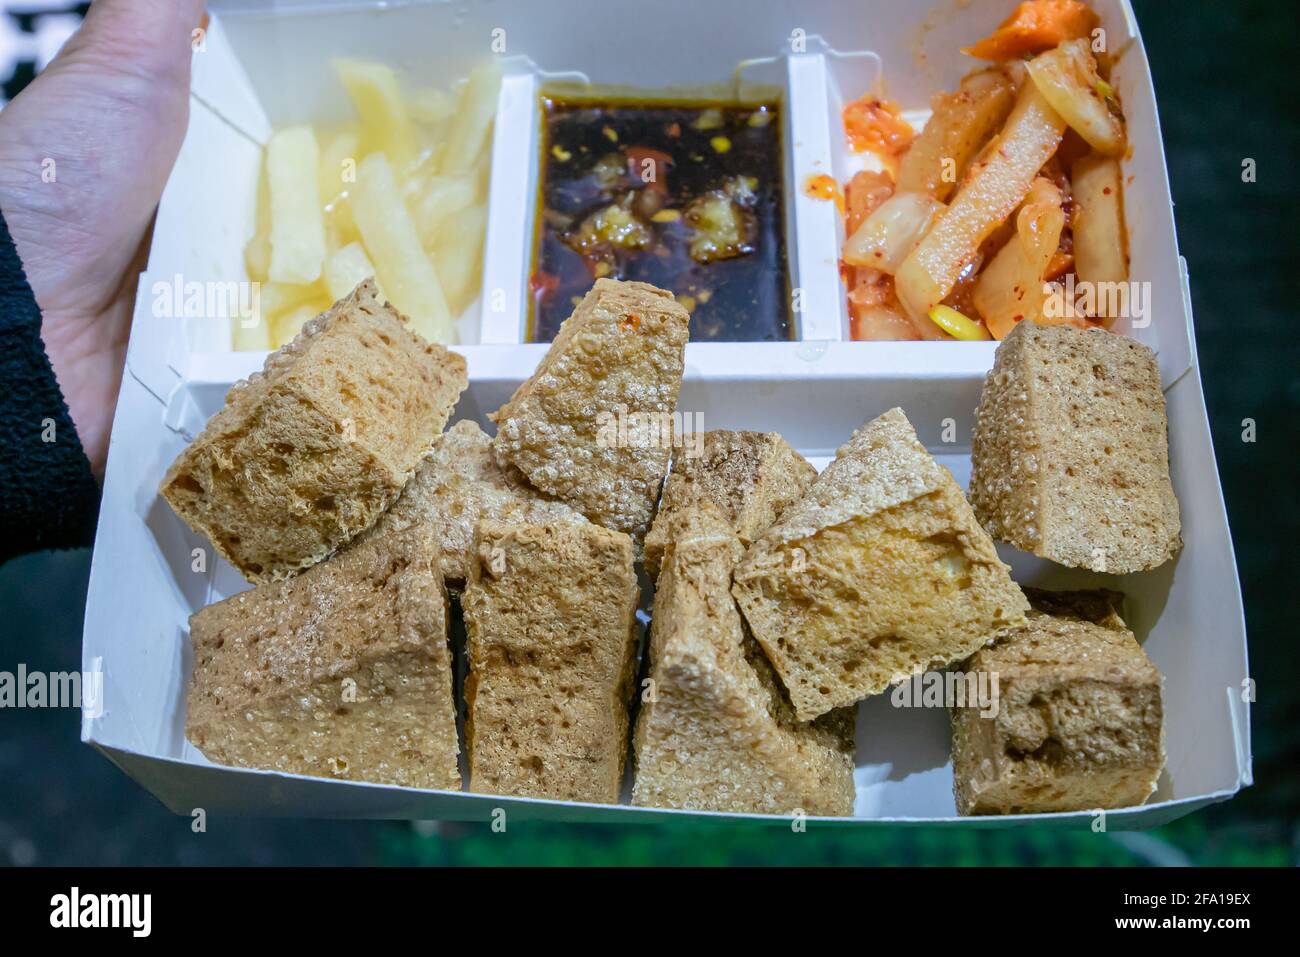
(974, 202)
(400, 194)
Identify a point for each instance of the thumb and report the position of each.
(150, 38)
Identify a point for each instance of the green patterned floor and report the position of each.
(1195, 840)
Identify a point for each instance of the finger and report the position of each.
(150, 37)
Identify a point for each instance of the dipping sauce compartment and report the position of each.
(734, 150)
(686, 196)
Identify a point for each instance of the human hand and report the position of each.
(85, 151)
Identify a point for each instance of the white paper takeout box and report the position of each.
(265, 65)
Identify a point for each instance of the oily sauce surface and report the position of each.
(685, 196)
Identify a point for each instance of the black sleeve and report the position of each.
(48, 496)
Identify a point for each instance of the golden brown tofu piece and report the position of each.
(458, 484)
(751, 476)
(550, 614)
(715, 731)
(1070, 455)
(880, 572)
(341, 672)
(1079, 721)
(592, 426)
(310, 451)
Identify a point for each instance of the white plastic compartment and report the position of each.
(268, 64)
(795, 81)
(1149, 214)
(143, 589)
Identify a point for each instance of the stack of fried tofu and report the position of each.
(716, 731)
(337, 664)
(328, 481)
(781, 597)
(1070, 462)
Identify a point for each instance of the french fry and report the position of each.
(254, 338)
(385, 124)
(391, 239)
(432, 111)
(338, 171)
(257, 251)
(345, 269)
(338, 163)
(1010, 289)
(431, 107)
(339, 227)
(442, 197)
(297, 224)
(288, 324)
(995, 185)
(458, 256)
(371, 197)
(961, 123)
(1100, 239)
(471, 125)
(277, 297)
(483, 173)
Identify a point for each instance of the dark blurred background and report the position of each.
(1226, 93)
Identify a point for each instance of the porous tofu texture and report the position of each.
(880, 572)
(550, 619)
(1078, 724)
(751, 476)
(592, 426)
(1070, 454)
(715, 731)
(310, 451)
(459, 483)
(341, 672)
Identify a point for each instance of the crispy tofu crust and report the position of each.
(753, 477)
(550, 614)
(1079, 722)
(1070, 454)
(879, 572)
(717, 732)
(458, 484)
(341, 672)
(587, 427)
(309, 452)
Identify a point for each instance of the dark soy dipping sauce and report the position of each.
(686, 196)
